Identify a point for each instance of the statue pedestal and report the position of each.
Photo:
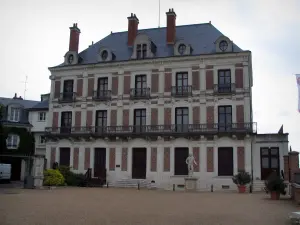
(190, 184)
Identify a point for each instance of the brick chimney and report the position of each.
(171, 26)
(74, 38)
(133, 23)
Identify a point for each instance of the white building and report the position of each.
(136, 103)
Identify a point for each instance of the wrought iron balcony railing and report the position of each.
(102, 95)
(155, 130)
(140, 93)
(67, 97)
(224, 88)
(181, 91)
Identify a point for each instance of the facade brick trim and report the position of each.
(241, 158)
(124, 161)
(153, 166)
(210, 159)
(87, 154)
(112, 159)
(75, 158)
(167, 159)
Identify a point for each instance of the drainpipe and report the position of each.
(251, 119)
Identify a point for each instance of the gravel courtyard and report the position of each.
(72, 206)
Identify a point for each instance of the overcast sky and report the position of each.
(35, 36)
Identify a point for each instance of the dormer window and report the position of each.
(70, 59)
(181, 49)
(223, 45)
(104, 55)
(141, 51)
(15, 114)
(143, 47)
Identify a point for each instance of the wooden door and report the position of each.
(225, 161)
(64, 157)
(181, 168)
(100, 162)
(139, 163)
(269, 161)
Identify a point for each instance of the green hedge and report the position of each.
(71, 179)
(53, 178)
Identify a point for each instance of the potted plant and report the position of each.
(241, 179)
(275, 186)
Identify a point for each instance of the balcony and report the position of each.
(102, 95)
(224, 89)
(139, 93)
(67, 97)
(181, 91)
(154, 130)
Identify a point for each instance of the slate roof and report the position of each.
(201, 37)
(44, 105)
(25, 103)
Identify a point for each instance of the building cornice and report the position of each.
(157, 61)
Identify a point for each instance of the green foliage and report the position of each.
(53, 178)
(275, 183)
(242, 178)
(26, 145)
(71, 179)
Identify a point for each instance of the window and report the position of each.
(224, 80)
(42, 116)
(180, 166)
(140, 85)
(225, 117)
(68, 89)
(12, 141)
(42, 139)
(104, 55)
(141, 51)
(225, 161)
(181, 49)
(223, 45)
(66, 122)
(269, 161)
(15, 114)
(182, 119)
(102, 86)
(139, 120)
(181, 83)
(101, 120)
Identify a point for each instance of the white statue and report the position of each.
(190, 161)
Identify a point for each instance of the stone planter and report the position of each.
(242, 188)
(275, 195)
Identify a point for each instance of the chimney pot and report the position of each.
(133, 22)
(171, 26)
(74, 38)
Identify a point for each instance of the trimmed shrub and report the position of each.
(71, 179)
(53, 178)
(275, 183)
(241, 178)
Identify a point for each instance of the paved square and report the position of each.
(72, 206)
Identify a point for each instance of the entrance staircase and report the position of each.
(258, 186)
(132, 183)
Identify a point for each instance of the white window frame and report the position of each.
(12, 141)
(43, 115)
(42, 139)
(14, 114)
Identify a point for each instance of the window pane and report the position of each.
(221, 110)
(228, 109)
(185, 82)
(186, 119)
(228, 118)
(178, 119)
(274, 163)
(144, 113)
(274, 151)
(265, 151)
(265, 163)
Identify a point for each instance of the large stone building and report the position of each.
(135, 104)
